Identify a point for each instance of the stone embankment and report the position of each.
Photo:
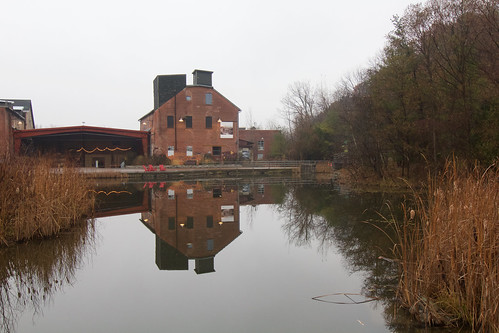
(191, 172)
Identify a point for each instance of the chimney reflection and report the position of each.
(192, 221)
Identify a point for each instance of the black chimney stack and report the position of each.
(167, 86)
(201, 78)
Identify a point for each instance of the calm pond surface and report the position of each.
(266, 255)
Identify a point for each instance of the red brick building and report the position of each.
(256, 144)
(14, 115)
(192, 222)
(191, 122)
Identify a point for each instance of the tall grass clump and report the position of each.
(38, 200)
(449, 250)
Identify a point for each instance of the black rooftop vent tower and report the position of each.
(201, 78)
(167, 86)
(169, 258)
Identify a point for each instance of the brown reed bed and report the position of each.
(38, 200)
(449, 250)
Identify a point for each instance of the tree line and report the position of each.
(431, 93)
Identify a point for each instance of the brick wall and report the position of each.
(180, 215)
(6, 139)
(265, 136)
(191, 102)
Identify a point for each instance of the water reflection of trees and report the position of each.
(352, 223)
(31, 273)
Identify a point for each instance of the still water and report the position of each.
(214, 256)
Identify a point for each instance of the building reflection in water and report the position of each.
(119, 199)
(196, 220)
(192, 221)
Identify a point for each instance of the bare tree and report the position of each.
(250, 119)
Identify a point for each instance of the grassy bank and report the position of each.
(37, 200)
(449, 250)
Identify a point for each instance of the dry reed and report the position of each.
(449, 251)
(37, 200)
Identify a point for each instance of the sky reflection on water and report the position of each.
(263, 280)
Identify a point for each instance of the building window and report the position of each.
(209, 221)
(190, 222)
(190, 193)
(208, 99)
(188, 121)
(261, 144)
(210, 244)
(245, 154)
(260, 157)
(217, 192)
(171, 150)
(261, 189)
(188, 98)
(169, 121)
(217, 150)
(171, 194)
(171, 223)
(209, 121)
(189, 151)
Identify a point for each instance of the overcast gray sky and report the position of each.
(94, 61)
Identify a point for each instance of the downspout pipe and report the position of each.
(175, 120)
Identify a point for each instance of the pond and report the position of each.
(256, 255)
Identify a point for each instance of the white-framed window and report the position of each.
(261, 189)
(261, 144)
(171, 194)
(171, 150)
(190, 193)
(189, 151)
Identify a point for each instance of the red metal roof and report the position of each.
(80, 129)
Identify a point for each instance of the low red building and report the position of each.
(257, 144)
(191, 122)
(88, 146)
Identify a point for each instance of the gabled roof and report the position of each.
(21, 104)
(228, 100)
(192, 86)
(147, 114)
(8, 105)
(20, 107)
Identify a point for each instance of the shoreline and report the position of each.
(189, 172)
